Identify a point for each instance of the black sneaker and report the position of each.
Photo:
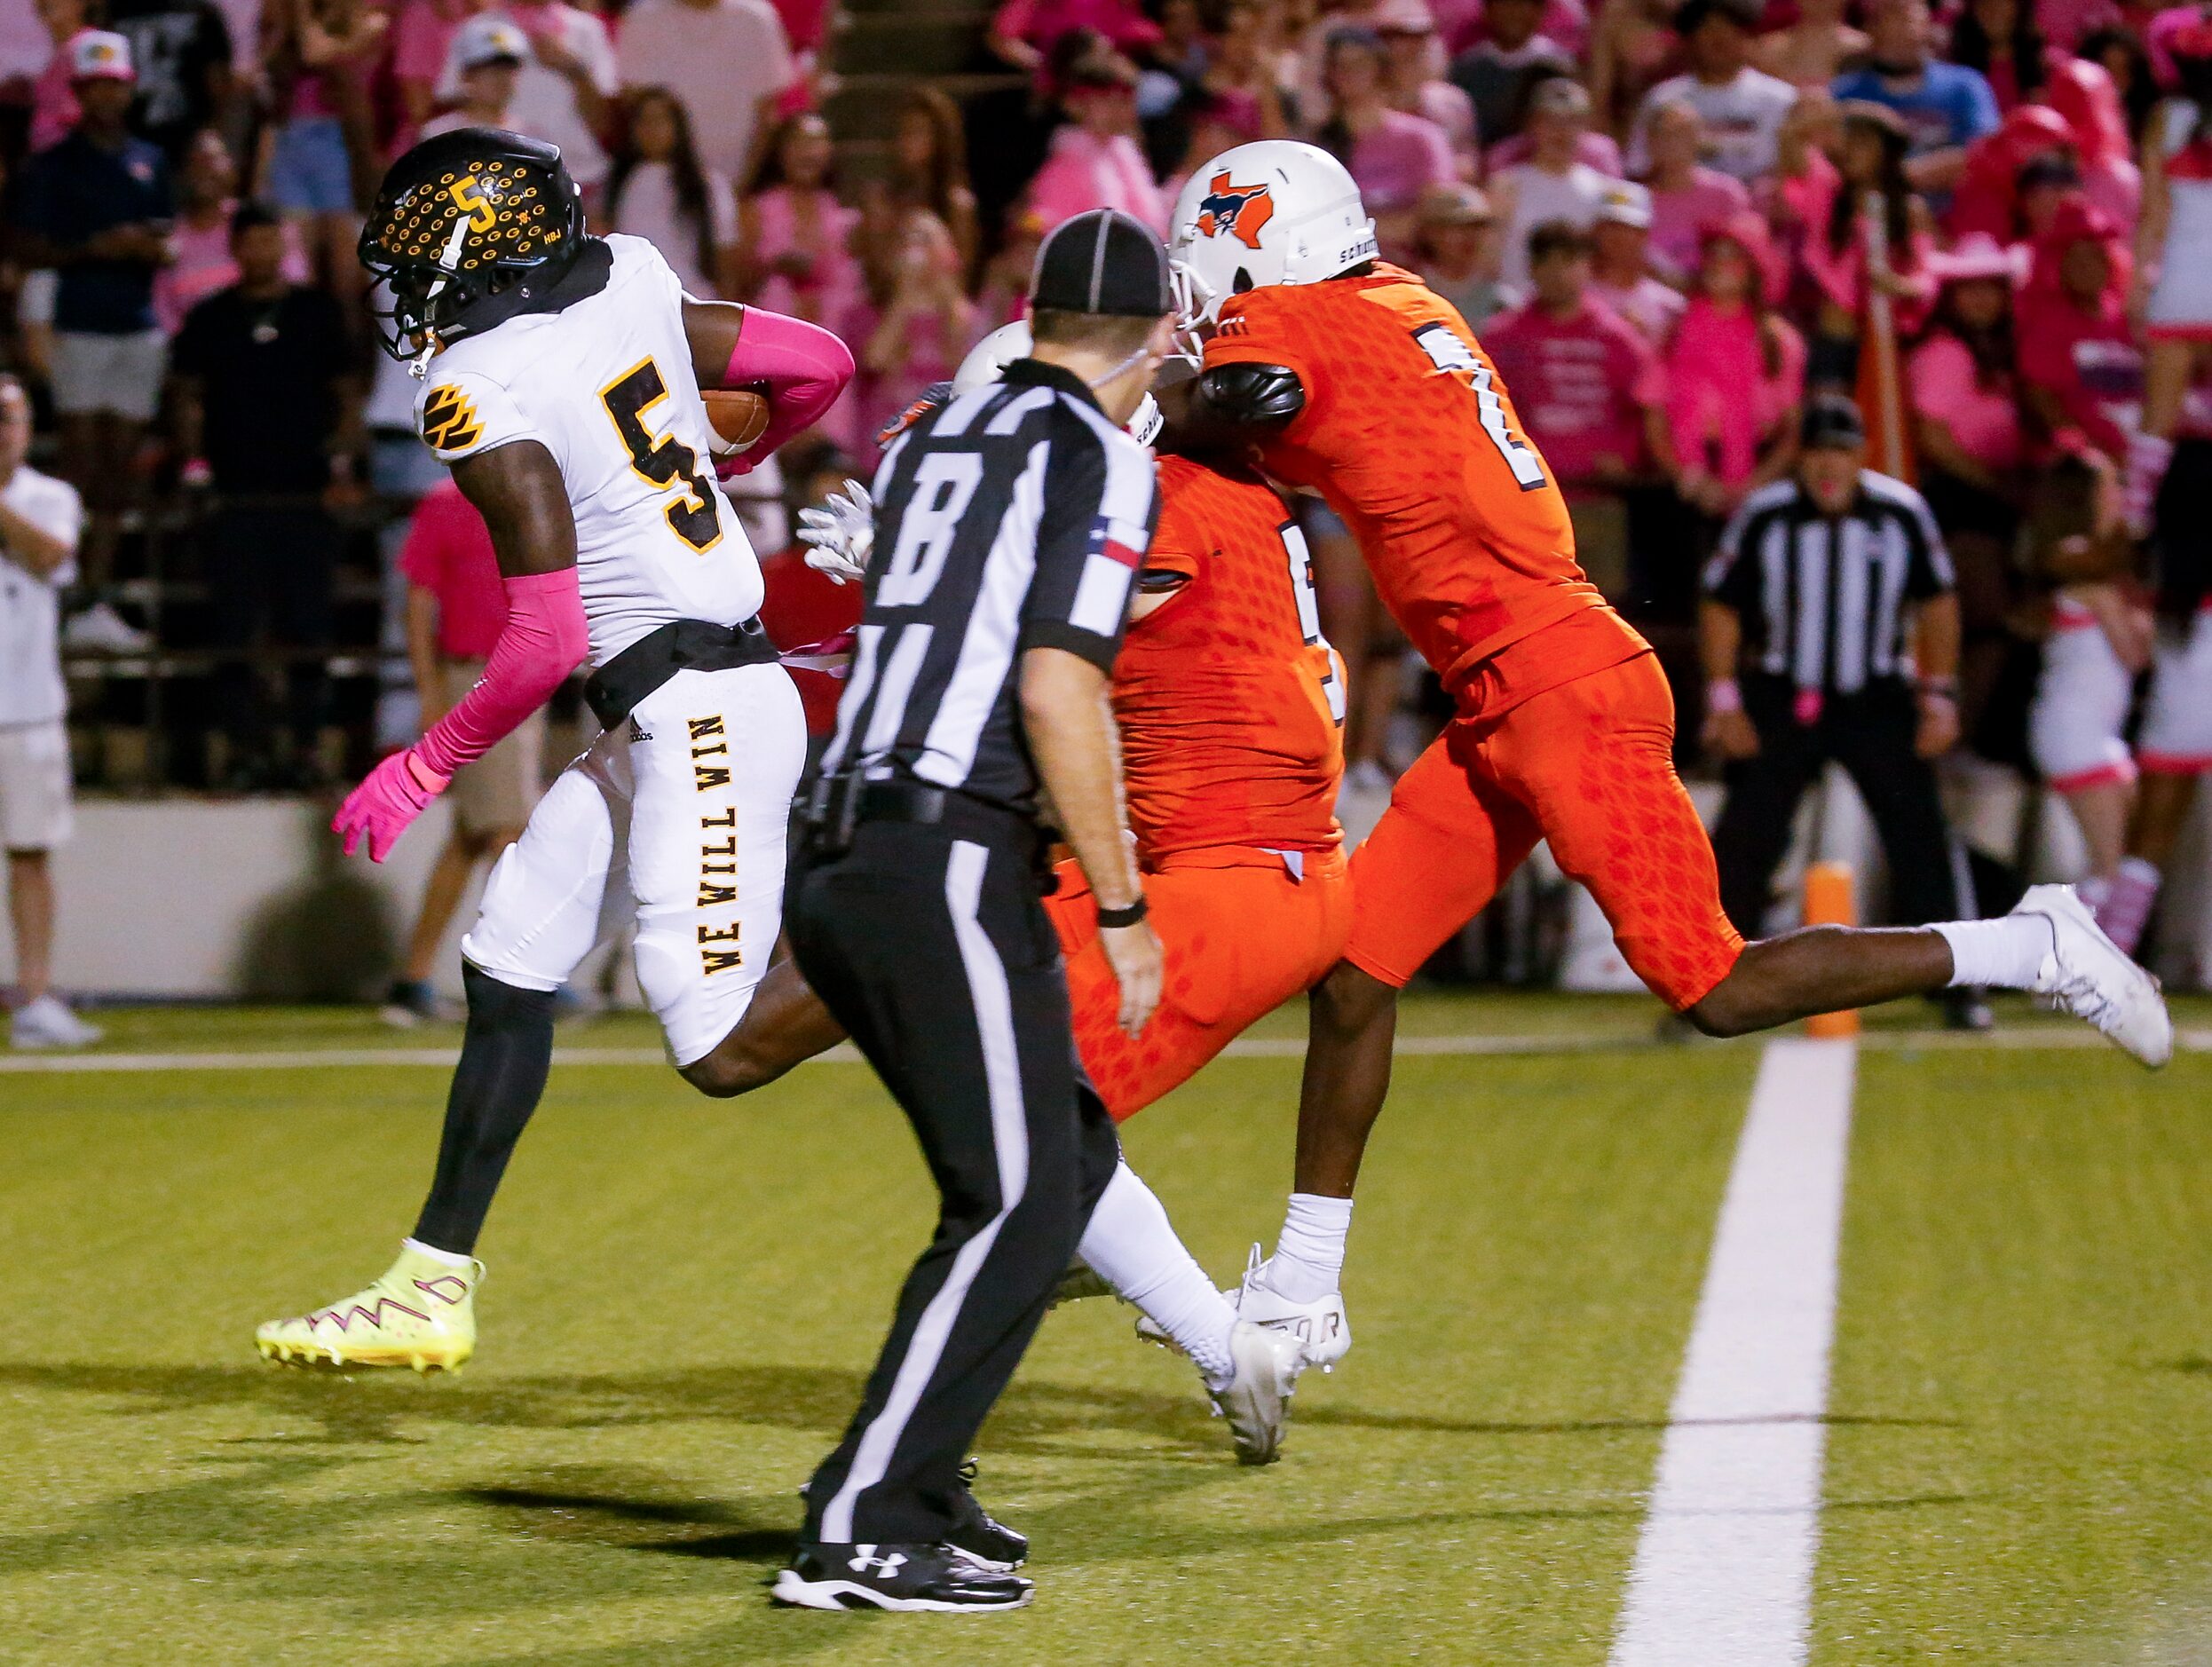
(909, 1576)
(988, 1544)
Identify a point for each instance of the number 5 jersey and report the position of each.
(606, 385)
(1410, 435)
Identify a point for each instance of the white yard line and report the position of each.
(1723, 1575)
(2039, 1038)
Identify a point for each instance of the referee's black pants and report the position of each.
(932, 949)
(1870, 734)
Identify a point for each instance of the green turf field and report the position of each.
(684, 1296)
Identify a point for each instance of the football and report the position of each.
(740, 415)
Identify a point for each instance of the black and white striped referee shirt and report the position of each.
(1823, 597)
(1010, 517)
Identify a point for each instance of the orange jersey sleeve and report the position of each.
(1412, 438)
(1230, 703)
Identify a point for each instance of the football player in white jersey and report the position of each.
(562, 378)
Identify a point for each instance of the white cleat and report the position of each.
(1256, 1402)
(2087, 975)
(1321, 1326)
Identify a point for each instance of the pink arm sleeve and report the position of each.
(543, 641)
(804, 366)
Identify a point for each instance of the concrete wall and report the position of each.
(250, 898)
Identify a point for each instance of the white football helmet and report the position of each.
(1275, 211)
(1010, 341)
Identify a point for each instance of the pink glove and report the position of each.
(392, 795)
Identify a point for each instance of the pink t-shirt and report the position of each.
(53, 104)
(1721, 402)
(1398, 159)
(1677, 218)
(1041, 22)
(833, 289)
(1084, 172)
(1592, 150)
(1647, 304)
(1984, 420)
(448, 553)
(1581, 385)
(203, 265)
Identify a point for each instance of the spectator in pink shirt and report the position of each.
(1619, 277)
(2080, 360)
(1735, 375)
(916, 328)
(1583, 380)
(456, 609)
(1832, 254)
(929, 167)
(53, 100)
(1392, 156)
(422, 35)
(1685, 195)
(1413, 80)
(796, 251)
(1965, 396)
(199, 246)
(1095, 161)
(1022, 31)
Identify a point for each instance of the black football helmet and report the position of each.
(467, 229)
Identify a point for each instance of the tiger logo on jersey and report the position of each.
(449, 421)
(1239, 211)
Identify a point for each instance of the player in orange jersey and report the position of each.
(1231, 709)
(1339, 372)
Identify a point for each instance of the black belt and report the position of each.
(679, 645)
(841, 803)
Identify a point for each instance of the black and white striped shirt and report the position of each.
(1823, 597)
(1010, 517)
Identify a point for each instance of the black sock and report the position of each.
(504, 1060)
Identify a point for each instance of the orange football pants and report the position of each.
(1587, 764)
(1241, 936)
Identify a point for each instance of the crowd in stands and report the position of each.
(1671, 222)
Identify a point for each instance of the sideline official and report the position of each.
(1009, 523)
(1821, 584)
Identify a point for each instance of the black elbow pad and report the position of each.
(1268, 396)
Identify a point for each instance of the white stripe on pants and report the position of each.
(1010, 1131)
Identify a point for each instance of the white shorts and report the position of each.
(691, 800)
(34, 786)
(122, 373)
(2074, 728)
(2177, 737)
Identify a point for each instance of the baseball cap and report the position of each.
(1559, 95)
(1454, 204)
(1624, 202)
(1830, 419)
(1105, 262)
(100, 55)
(484, 39)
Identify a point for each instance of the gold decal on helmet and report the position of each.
(468, 198)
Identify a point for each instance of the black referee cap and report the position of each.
(1831, 420)
(1104, 263)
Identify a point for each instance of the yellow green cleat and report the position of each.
(421, 1314)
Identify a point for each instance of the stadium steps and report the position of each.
(882, 47)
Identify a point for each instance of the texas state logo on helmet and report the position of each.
(1272, 212)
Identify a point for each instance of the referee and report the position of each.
(1010, 522)
(1818, 583)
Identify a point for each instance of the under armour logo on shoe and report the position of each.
(883, 1567)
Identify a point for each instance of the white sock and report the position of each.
(2005, 953)
(1308, 1260)
(444, 1258)
(1132, 1245)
